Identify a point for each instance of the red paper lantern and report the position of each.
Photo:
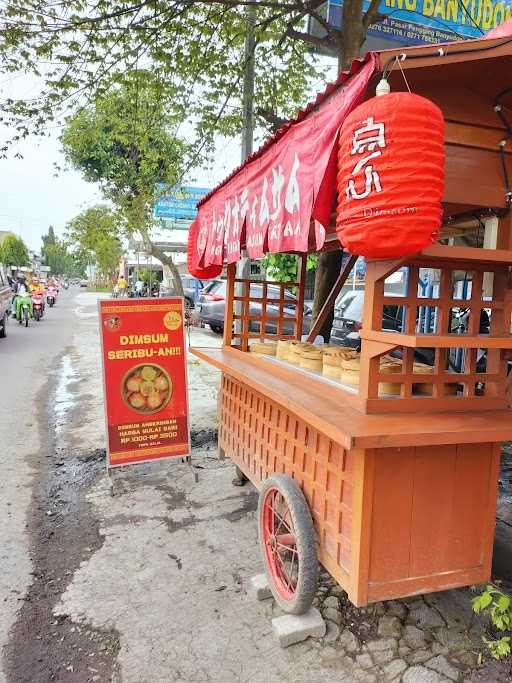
(390, 176)
(195, 249)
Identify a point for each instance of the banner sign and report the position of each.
(269, 205)
(417, 22)
(144, 379)
(178, 201)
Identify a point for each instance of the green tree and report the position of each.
(123, 143)
(195, 47)
(13, 252)
(95, 236)
(56, 255)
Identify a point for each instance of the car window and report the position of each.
(208, 286)
(354, 310)
(211, 286)
(219, 287)
(345, 300)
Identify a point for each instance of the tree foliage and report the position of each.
(57, 256)
(284, 267)
(196, 46)
(81, 50)
(124, 143)
(13, 252)
(94, 234)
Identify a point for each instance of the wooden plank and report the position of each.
(434, 474)
(299, 309)
(468, 135)
(435, 405)
(324, 405)
(426, 584)
(364, 477)
(391, 515)
(463, 165)
(468, 254)
(467, 51)
(471, 501)
(331, 299)
(228, 311)
(449, 341)
(489, 514)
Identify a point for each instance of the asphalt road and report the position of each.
(27, 358)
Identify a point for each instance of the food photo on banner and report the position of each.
(145, 380)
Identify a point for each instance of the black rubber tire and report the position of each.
(25, 316)
(217, 329)
(307, 583)
(3, 327)
(37, 315)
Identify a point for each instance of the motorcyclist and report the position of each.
(22, 293)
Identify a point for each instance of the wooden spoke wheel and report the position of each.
(288, 544)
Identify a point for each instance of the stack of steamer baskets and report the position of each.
(338, 363)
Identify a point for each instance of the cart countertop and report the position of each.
(323, 406)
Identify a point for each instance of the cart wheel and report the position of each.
(288, 543)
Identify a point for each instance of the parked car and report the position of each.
(348, 316)
(5, 302)
(212, 303)
(84, 283)
(192, 288)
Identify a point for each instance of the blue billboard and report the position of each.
(178, 201)
(416, 22)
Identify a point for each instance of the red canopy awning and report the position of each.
(269, 203)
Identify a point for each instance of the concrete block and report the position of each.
(291, 628)
(260, 587)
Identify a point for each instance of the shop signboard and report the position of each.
(417, 22)
(144, 379)
(178, 202)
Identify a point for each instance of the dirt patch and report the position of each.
(492, 672)
(63, 533)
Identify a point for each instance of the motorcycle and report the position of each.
(65, 285)
(51, 297)
(38, 305)
(23, 309)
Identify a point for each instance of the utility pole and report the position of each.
(243, 267)
(248, 92)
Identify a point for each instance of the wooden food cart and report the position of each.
(399, 473)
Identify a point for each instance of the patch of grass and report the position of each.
(108, 290)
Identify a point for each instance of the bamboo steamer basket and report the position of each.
(295, 351)
(331, 361)
(390, 366)
(331, 366)
(283, 348)
(426, 388)
(349, 370)
(263, 349)
(337, 351)
(311, 360)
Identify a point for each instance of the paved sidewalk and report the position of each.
(167, 579)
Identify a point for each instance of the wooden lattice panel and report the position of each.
(263, 309)
(469, 367)
(263, 439)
